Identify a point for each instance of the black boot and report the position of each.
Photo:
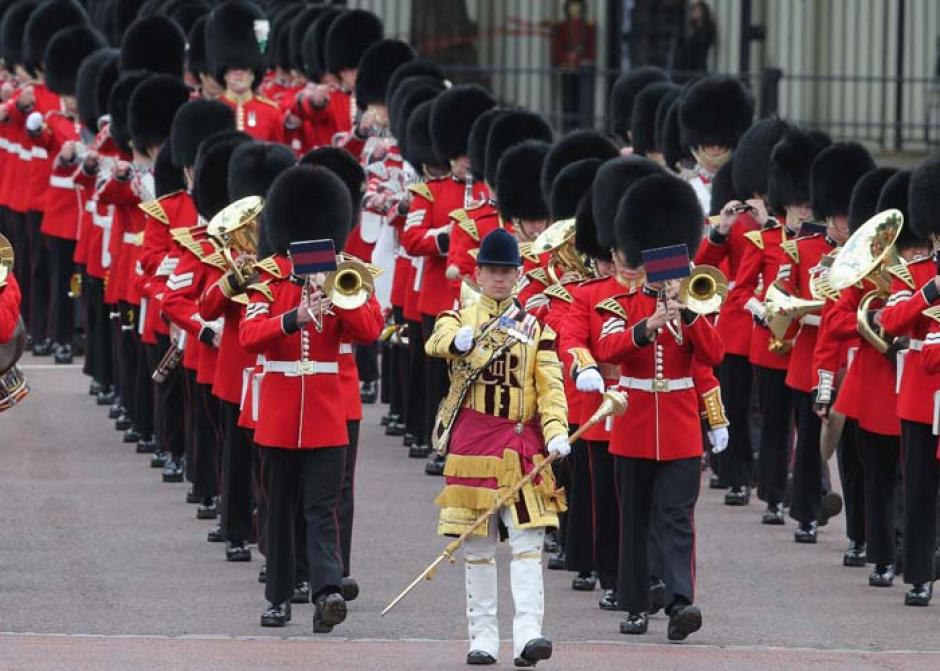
(534, 652)
(276, 615)
(116, 409)
(773, 514)
(63, 354)
(585, 581)
(369, 392)
(207, 510)
(882, 576)
(237, 551)
(557, 563)
(805, 533)
(435, 465)
(830, 506)
(634, 623)
(159, 459)
(123, 423)
(329, 610)
(608, 600)
(173, 471)
(263, 574)
(419, 451)
(215, 535)
(855, 555)
(919, 594)
(301, 592)
(737, 496)
(94, 388)
(350, 589)
(43, 347)
(146, 445)
(480, 658)
(105, 397)
(684, 619)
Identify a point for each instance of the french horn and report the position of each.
(558, 239)
(781, 308)
(235, 228)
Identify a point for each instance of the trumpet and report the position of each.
(704, 290)
(350, 285)
(235, 228)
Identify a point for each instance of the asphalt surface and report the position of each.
(102, 566)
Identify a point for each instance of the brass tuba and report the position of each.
(350, 285)
(6, 260)
(780, 309)
(13, 385)
(704, 290)
(558, 239)
(235, 228)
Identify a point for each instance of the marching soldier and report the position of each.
(511, 411)
(623, 95)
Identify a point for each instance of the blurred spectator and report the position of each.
(698, 40)
(573, 44)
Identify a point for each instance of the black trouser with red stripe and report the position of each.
(921, 480)
(880, 456)
(99, 330)
(126, 355)
(776, 402)
(394, 365)
(807, 466)
(346, 506)
(206, 449)
(736, 463)
(170, 414)
(415, 391)
(579, 520)
(60, 264)
(852, 474)
(673, 487)
(39, 287)
(236, 498)
(143, 391)
(22, 240)
(606, 519)
(436, 379)
(367, 362)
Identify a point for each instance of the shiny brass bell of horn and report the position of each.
(350, 285)
(704, 290)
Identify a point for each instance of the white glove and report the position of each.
(34, 122)
(719, 439)
(589, 380)
(463, 341)
(559, 446)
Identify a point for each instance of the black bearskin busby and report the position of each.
(499, 248)
(167, 178)
(659, 123)
(570, 185)
(210, 172)
(657, 211)
(107, 78)
(517, 181)
(623, 94)
(186, 12)
(193, 123)
(833, 175)
(894, 194)
(752, 157)
(453, 115)
(476, 142)
(300, 24)
(610, 183)
(279, 52)
(254, 166)
(234, 34)
(790, 163)
(423, 150)
(865, 194)
(585, 233)
(64, 55)
(715, 111)
(669, 139)
(375, 69)
(643, 124)
(924, 198)
(86, 86)
(122, 14)
(349, 37)
(342, 164)
(13, 32)
(197, 60)
(312, 54)
(508, 130)
(118, 100)
(418, 149)
(156, 44)
(416, 68)
(723, 190)
(574, 146)
(398, 109)
(152, 107)
(44, 22)
(306, 203)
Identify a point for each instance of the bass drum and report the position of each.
(13, 385)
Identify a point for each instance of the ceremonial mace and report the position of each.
(614, 403)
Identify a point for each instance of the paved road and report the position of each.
(102, 566)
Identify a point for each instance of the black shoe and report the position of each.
(805, 533)
(368, 392)
(172, 472)
(328, 611)
(657, 596)
(550, 544)
(159, 459)
(584, 582)
(116, 409)
(42, 348)
(557, 562)
(534, 652)
(919, 595)
(146, 445)
(635, 623)
(384, 420)
(683, 620)
(94, 388)
(882, 576)
(192, 497)
(132, 435)
(263, 574)
(123, 423)
(737, 496)
(480, 658)
(394, 428)
(207, 510)
(350, 589)
(215, 535)
(714, 482)
(773, 514)
(830, 506)
(855, 555)
(63, 354)
(105, 397)
(301, 592)
(408, 439)
(237, 552)
(276, 616)
(435, 465)
(417, 451)
(608, 600)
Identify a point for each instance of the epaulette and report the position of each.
(591, 280)
(241, 299)
(184, 238)
(466, 224)
(263, 288)
(611, 305)
(559, 292)
(933, 312)
(216, 260)
(474, 252)
(792, 249)
(154, 209)
(373, 269)
(422, 190)
(267, 101)
(525, 248)
(540, 275)
(269, 265)
(903, 273)
(756, 237)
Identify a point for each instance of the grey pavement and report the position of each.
(102, 566)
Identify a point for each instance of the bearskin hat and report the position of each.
(752, 157)
(210, 172)
(574, 146)
(715, 111)
(517, 181)
(418, 149)
(349, 37)
(670, 139)
(643, 124)
(152, 107)
(895, 194)
(398, 110)
(107, 78)
(659, 122)
(510, 129)
(86, 86)
(299, 25)
(657, 211)
(342, 164)
(64, 55)
(193, 123)
(13, 32)
(723, 190)
(306, 203)
(586, 233)
(186, 12)
(313, 43)
(375, 69)
(790, 162)
(254, 166)
(44, 22)
(234, 32)
(118, 100)
(453, 115)
(122, 14)
(197, 61)
(865, 194)
(167, 178)
(623, 94)
(156, 44)
(405, 110)
(833, 175)
(476, 142)
(569, 187)
(924, 198)
(279, 53)
(416, 68)
(610, 183)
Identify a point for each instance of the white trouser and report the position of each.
(525, 575)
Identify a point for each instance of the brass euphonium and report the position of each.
(704, 290)
(13, 385)
(350, 285)
(558, 239)
(235, 228)
(6, 260)
(781, 309)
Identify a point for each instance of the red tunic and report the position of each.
(9, 308)
(322, 123)
(98, 217)
(41, 164)
(261, 118)
(232, 359)
(63, 203)
(471, 225)
(16, 181)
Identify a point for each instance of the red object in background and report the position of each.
(574, 43)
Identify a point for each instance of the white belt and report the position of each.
(101, 220)
(811, 320)
(916, 345)
(136, 239)
(25, 154)
(61, 182)
(345, 348)
(665, 385)
(297, 368)
(91, 206)
(40, 152)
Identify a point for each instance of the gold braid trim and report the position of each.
(903, 273)
(792, 249)
(422, 190)
(933, 313)
(756, 237)
(582, 359)
(715, 409)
